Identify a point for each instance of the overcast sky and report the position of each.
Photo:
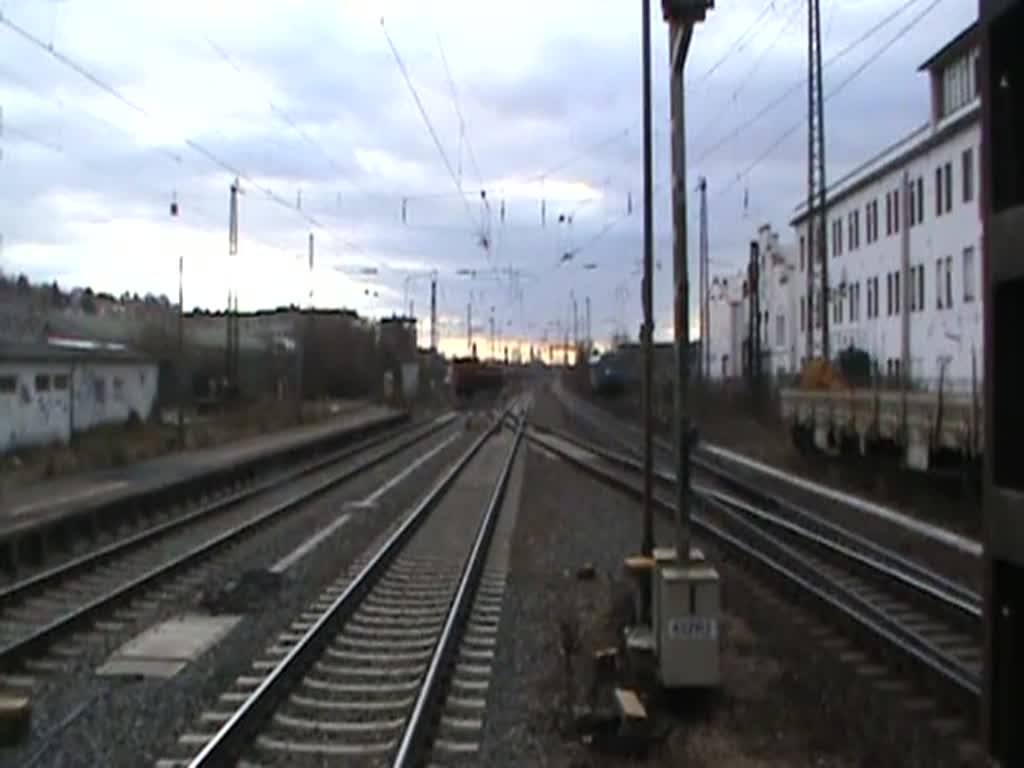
(307, 98)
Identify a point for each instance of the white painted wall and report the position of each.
(726, 325)
(40, 411)
(951, 332)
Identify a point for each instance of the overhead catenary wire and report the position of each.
(430, 126)
(798, 6)
(458, 112)
(737, 44)
(290, 121)
(873, 58)
(196, 146)
(796, 86)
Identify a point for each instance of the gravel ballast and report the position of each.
(126, 722)
(786, 698)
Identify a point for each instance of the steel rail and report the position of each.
(246, 721)
(99, 556)
(14, 651)
(944, 537)
(879, 558)
(826, 589)
(418, 726)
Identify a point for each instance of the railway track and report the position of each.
(920, 622)
(40, 614)
(389, 665)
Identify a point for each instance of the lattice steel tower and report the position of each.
(816, 251)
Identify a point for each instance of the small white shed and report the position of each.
(49, 390)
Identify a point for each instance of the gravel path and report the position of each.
(126, 722)
(786, 700)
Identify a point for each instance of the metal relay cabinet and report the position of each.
(686, 616)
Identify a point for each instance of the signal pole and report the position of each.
(647, 329)
(681, 15)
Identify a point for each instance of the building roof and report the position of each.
(64, 352)
(915, 143)
(958, 45)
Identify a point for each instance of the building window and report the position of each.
(872, 221)
(920, 287)
(118, 387)
(913, 290)
(888, 366)
(967, 171)
(896, 210)
(938, 284)
(60, 381)
(888, 293)
(42, 382)
(837, 237)
(913, 207)
(938, 191)
(99, 387)
(948, 186)
(888, 213)
(896, 291)
(780, 330)
(920, 199)
(968, 274)
(803, 311)
(802, 247)
(8, 385)
(959, 84)
(949, 282)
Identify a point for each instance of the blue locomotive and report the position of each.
(607, 373)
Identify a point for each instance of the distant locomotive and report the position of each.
(607, 374)
(470, 376)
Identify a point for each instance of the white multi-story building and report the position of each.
(729, 312)
(927, 181)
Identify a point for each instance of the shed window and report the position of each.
(60, 381)
(8, 385)
(118, 386)
(100, 390)
(42, 382)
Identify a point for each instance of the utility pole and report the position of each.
(433, 313)
(590, 339)
(493, 353)
(754, 334)
(181, 338)
(575, 327)
(816, 213)
(704, 362)
(229, 361)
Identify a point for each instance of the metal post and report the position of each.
(679, 44)
(433, 313)
(905, 309)
(590, 339)
(181, 351)
(647, 545)
(817, 158)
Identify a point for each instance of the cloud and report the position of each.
(308, 100)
